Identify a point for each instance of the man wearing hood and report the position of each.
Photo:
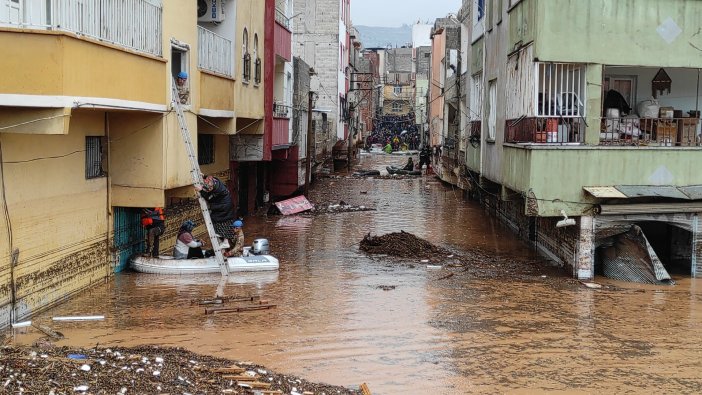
(220, 204)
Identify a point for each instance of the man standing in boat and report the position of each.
(154, 221)
(220, 204)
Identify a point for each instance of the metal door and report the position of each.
(129, 238)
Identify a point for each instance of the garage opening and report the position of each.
(672, 244)
(643, 251)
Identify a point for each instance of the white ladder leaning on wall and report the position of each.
(197, 180)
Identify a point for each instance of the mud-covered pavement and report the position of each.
(499, 320)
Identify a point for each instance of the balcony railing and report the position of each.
(282, 19)
(281, 110)
(544, 130)
(663, 132)
(134, 24)
(214, 52)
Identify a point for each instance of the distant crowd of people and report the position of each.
(400, 132)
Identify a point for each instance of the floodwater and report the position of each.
(521, 326)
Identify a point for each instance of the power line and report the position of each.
(34, 121)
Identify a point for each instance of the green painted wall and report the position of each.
(617, 32)
(522, 23)
(561, 173)
(476, 56)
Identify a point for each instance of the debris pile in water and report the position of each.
(402, 245)
(141, 370)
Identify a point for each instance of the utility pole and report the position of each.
(310, 150)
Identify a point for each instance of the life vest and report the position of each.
(149, 216)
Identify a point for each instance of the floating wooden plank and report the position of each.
(272, 392)
(259, 385)
(365, 390)
(49, 332)
(227, 299)
(220, 310)
(239, 377)
(231, 370)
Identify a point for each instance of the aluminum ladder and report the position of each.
(197, 180)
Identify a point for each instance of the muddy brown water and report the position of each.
(520, 326)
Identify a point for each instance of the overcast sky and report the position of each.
(393, 13)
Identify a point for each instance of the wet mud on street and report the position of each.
(499, 320)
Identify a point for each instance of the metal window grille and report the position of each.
(257, 71)
(205, 149)
(93, 157)
(247, 67)
(560, 90)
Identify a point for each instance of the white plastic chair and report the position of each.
(568, 103)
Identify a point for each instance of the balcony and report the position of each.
(544, 130)
(281, 134)
(133, 24)
(282, 36)
(657, 132)
(281, 125)
(214, 52)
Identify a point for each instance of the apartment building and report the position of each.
(586, 111)
(321, 38)
(88, 137)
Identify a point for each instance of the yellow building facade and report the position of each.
(88, 136)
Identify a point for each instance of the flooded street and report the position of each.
(520, 327)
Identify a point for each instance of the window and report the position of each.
(480, 9)
(257, 61)
(93, 157)
(492, 110)
(246, 56)
(475, 109)
(478, 19)
(560, 90)
(205, 149)
(179, 64)
(397, 90)
(396, 106)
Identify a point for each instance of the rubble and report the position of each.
(141, 370)
(401, 245)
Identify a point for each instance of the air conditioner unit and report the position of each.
(210, 10)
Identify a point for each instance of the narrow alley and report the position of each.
(512, 324)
